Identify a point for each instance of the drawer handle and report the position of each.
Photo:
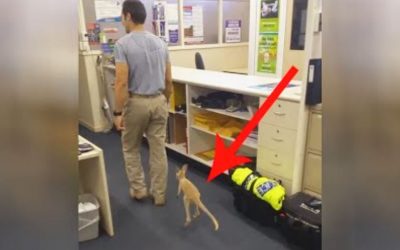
(276, 164)
(279, 113)
(276, 139)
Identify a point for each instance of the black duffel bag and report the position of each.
(301, 221)
(251, 206)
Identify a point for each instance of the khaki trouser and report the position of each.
(146, 115)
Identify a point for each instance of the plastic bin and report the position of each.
(89, 220)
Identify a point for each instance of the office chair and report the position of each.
(199, 61)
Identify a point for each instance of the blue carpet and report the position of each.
(142, 226)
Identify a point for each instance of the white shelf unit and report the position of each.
(179, 148)
(286, 144)
(93, 179)
(278, 148)
(243, 115)
(201, 139)
(176, 112)
(246, 144)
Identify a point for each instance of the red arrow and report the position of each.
(225, 158)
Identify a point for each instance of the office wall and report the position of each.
(292, 57)
(297, 57)
(218, 59)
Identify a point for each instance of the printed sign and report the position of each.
(165, 21)
(267, 53)
(268, 36)
(173, 22)
(233, 31)
(269, 16)
(193, 24)
(108, 10)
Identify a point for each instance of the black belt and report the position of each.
(143, 96)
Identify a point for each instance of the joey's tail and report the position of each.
(205, 210)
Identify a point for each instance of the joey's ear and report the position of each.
(184, 168)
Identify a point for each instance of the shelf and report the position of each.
(178, 113)
(202, 161)
(180, 148)
(247, 144)
(93, 179)
(90, 154)
(207, 163)
(240, 115)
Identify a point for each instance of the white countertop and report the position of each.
(232, 82)
(241, 84)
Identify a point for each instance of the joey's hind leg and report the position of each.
(197, 212)
(186, 203)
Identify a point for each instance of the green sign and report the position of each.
(268, 36)
(267, 53)
(269, 25)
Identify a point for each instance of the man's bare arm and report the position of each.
(168, 81)
(121, 85)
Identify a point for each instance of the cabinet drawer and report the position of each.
(315, 132)
(286, 183)
(282, 113)
(274, 161)
(276, 138)
(313, 173)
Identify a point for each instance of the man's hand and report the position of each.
(119, 122)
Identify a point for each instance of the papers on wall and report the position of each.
(233, 31)
(173, 23)
(193, 24)
(165, 21)
(108, 10)
(159, 19)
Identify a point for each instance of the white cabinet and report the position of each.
(93, 179)
(277, 142)
(312, 173)
(315, 131)
(312, 176)
(278, 138)
(274, 161)
(282, 113)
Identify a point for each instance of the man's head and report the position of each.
(133, 14)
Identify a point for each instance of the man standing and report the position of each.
(142, 89)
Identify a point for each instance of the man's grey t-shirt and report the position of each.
(146, 56)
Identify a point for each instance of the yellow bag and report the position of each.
(264, 188)
(270, 191)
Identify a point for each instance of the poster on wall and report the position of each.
(108, 10)
(165, 21)
(268, 36)
(267, 53)
(233, 31)
(173, 23)
(193, 24)
(159, 19)
(269, 16)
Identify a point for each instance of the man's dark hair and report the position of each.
(136, 9)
